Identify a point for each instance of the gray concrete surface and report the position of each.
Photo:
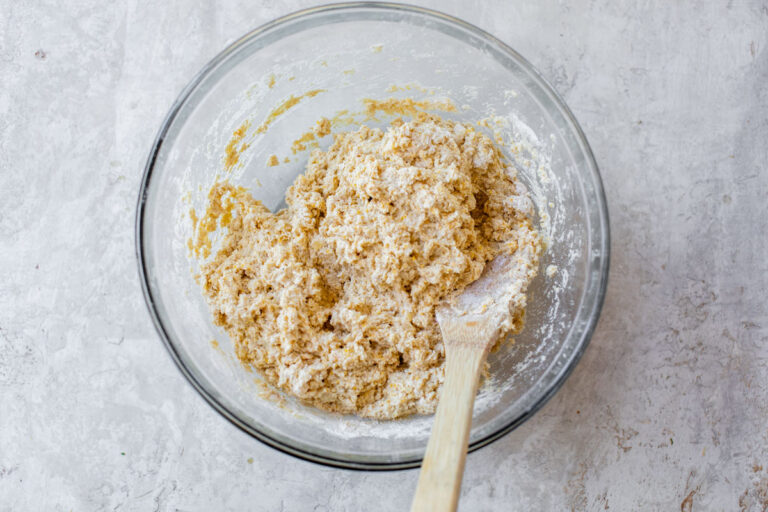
(668, 410)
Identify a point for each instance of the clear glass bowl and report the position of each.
(356, 51)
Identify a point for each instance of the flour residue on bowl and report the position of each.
(286, 105)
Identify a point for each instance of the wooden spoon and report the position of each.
(470, 327)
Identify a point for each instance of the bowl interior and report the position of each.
(350, 53)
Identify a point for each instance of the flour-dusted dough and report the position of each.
(333, 298)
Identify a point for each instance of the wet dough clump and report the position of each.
(333, 298)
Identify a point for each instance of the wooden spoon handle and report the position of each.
(443, 466)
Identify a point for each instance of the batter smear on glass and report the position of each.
(333, 298)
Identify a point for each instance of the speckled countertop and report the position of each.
(668, 410)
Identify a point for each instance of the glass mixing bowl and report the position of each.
(352, 52)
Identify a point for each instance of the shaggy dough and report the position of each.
(333, 298)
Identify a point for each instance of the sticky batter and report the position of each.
(333, 298)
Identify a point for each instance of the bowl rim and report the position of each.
(602, 210)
